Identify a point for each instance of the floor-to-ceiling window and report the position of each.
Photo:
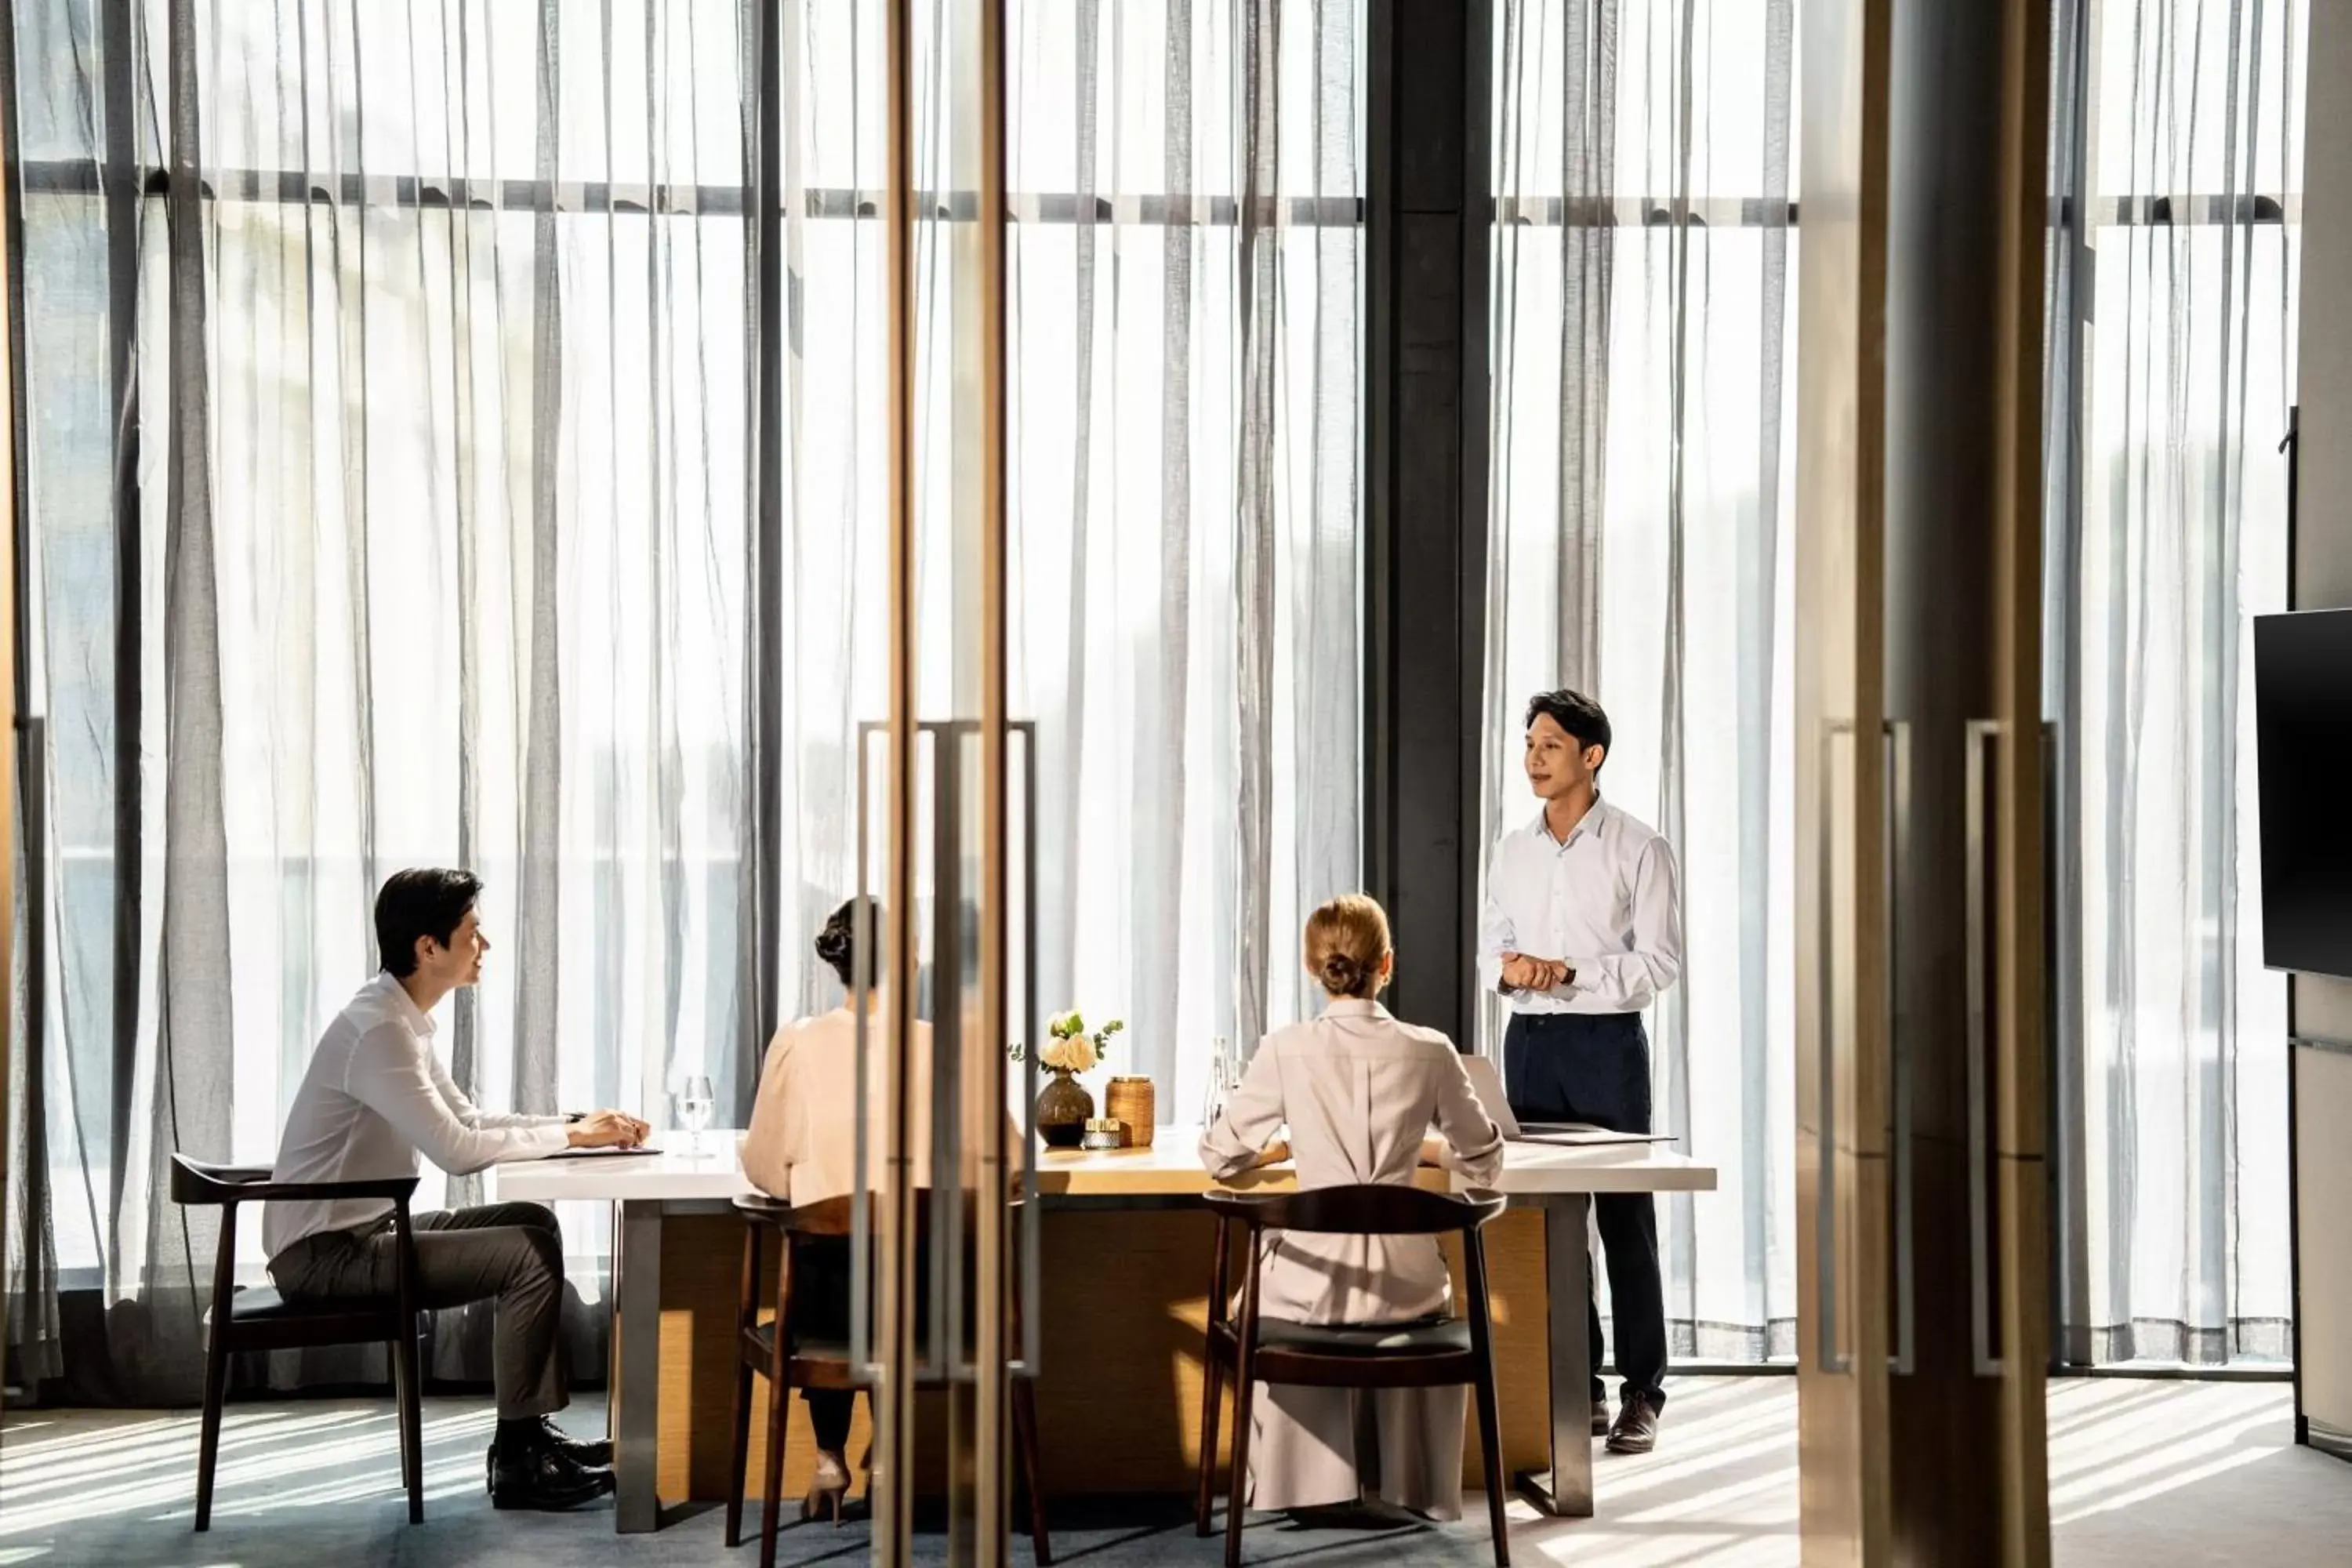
(1640, 536)
(1642, 541)
(389, 505)
(1186, 392)
(392, 420)
(2177, 149)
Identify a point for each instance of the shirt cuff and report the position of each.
(541, 1141)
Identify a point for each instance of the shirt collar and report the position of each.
(1590, 822)
(1353, 1007)
(404, 1007)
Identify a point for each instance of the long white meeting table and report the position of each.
(674, 1302)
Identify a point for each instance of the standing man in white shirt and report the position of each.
(374, 1098)
(1582, 928)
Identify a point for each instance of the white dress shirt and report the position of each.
(1605, 901)
(374, 1096)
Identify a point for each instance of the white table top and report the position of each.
(1170, 1167)
(716, 1173)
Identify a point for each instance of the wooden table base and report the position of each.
(1119, 1400)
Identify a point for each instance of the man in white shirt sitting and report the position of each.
(1582, 928)
(375, 1097)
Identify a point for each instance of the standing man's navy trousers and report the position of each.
(1595, 1068)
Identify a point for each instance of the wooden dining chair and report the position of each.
(262, 1319)
(789, 1360)
(1422, 1354)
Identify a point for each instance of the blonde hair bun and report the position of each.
(1347, 944)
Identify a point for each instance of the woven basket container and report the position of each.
(1131, 1100)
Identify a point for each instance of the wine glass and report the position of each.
(695, 1104)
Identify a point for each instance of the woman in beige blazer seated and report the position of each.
(801, 1147)
(1359, 1092)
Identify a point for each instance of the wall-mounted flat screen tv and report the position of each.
(2303, 739)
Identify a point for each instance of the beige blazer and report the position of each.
(1360, 1091)
(802, 1143)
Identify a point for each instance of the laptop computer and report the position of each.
(1486, 1082)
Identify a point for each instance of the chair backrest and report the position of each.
(833, 1217)
(1368, 1209)
(200, 1181)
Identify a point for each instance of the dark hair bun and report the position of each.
(1341, 974)
(836, 942)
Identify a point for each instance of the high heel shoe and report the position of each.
(827, 1488)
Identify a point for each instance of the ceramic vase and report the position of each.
(1063, 1107)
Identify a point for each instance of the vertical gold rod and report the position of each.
(1846, 1493)
(985, 1084)
(893, 1515)
(2020, 1112)
(8, 610)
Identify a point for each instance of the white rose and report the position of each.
(1083, 1055)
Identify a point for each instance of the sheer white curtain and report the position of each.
(1641, 546)
(440, 398)
(1640, 550)
(419, 509)
(1184, 281)
(2172, 1121)
(1185, 504)
(1185, 271)
(426, 543)
(478, 505)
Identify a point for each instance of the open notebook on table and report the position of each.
(1488, 1085)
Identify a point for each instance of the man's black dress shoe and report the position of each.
(540, 1477)
(590, 1453)
(1636, 1430)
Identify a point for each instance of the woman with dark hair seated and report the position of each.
(802, 1149)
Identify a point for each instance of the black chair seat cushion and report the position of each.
(263, 1304)
(252, 1306)
(1427, 1337)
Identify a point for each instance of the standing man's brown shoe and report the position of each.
(1600, 1415)
(1636, 1429)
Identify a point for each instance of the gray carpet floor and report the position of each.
(2143, 1474)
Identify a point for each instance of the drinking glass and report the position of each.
(694, 1103)
(1221, 1083)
